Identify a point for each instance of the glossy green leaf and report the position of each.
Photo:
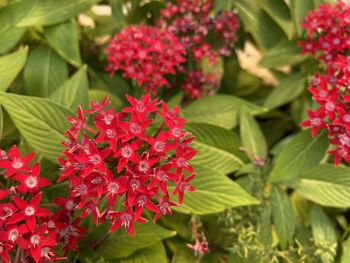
(257, 22)
(13, 12)
(217, 147)
(214, 193)
(299, 11)
(219, 110)
(326, 185)
(345, 256)
(282, 54)
(253, 139)
(10, 66)
(40, 121)
(74, 91)
(283, 216)
(151, 254)
(280, 13)
(301, 153)
(64, 39)
(289, 88)
(121, 244)
(49, 12)
(10, 37)
(44, 72)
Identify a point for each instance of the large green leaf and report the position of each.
(345, 257)
(214, 193)
(217, 147)
(151, 254)
(44, 72)
(40, 121)
(10, 66)
(289, 88)
(49, 12)
(299, 11)
(253, 139)
(117, 10)
(120, 244)
(302, 153)
(282, 54)
(64, 39)
(13, 12)
(283, 216)
(74, 91)
(280, 13)
(220, 110)
(326, 185)
(257, 22)
(10, 38)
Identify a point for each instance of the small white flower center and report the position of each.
(135, 128)
(17, 163)
(143, 166)
(159, 146)
(29, 211)
(126, 219)
(95, 159)
(32, 181)
(113, 188)
(35, 240)
(126, 152)
(13, 235)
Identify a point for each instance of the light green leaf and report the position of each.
(217, 147)
(9, 38)
(74, 91)
(302, 153)
(214, 193)
(257, 22)
(345, 257)
(299, 11)
(40, 121)
(49, 12)
(117, 10)
(289, 88)
(219, 110)
(10, 66)
(13, 12)
(121, 244)
(326, 185)
(252, 137)
(282, 216)
(282, 54)
(280, 13)
(64, 39)
(44, 72)
(151, 254)
(1, 123)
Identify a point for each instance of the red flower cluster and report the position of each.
(197, 83)
(145, 54)
(329, 41)
(192, 21)
(24, 225)
(131, 157)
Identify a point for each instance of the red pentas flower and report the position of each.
(127, 156)
(197, 84)
(145, 54)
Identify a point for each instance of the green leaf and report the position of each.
(289, 88)
(302, 153)
(121, 244)
(217, 147)
(49, 12)
(10, 38)
(214, 193)
(10, 67)
(257, 22)
(326, 185)
(282, 54)
(74, 91)
(64, 39)
(282, 216)
(40, 121)
(13, 12)
(117, 10)
(151, 254)
(1, 123)
(219, 110)
(345, 257)
(299, 11)
(44, 72)
(280, 13)
(253, 139)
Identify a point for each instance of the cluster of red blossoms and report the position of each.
(127, 158)
(27, 229)
(145, 54)
(197, 83)
(328, 39)
(149, 54)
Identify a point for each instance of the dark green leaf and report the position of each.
(64, 39)
(302, 153)
(117, 10)
(299, 11)
(44, 72)
(10, 66)
(10, 38)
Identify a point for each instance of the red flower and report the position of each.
(15, 163)
(124, 219)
